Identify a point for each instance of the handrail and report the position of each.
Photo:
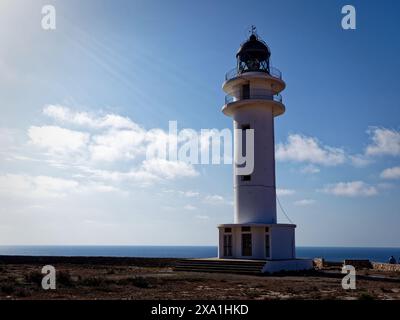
(229, 98)
(273, 72)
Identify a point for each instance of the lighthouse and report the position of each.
(253, 100)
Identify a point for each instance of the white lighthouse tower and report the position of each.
(253, 101)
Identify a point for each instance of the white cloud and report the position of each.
(117, 145)
(304, 202)
(45, 187)
(35, 186)
(95, 187)
(350, 189)
(359, 160)
(58, 140)
(310, 169)
(301, 148)
(66, 115)
(119, 139)
(136, 176)
(187, 194)
(384, 142)
(168, 169)
(190, 194)
(391, 173)
(385, 186)
(190, 207)
(149, 172)
(285, 192)
(117, 122)
(202, 217)
(214, 199)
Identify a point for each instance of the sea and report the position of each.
(378, 254)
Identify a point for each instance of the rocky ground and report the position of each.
(152, 280)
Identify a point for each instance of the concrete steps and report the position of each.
(253, 267)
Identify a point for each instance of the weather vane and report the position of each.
(253, 29)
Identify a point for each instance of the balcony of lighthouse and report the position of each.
(268, 70)
(269, 79)
(254, 94)
(253, 98)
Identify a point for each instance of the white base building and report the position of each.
(257, 241)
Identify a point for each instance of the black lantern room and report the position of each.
(253, 55)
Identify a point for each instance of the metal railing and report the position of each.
(229, 98)
(273, 72)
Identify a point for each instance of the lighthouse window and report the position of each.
(246, 91)
(246, 229)
(228, 245)
(243, 128)
(228, 230)
(246, 178)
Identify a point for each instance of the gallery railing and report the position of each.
(254, 95)
(274, 72)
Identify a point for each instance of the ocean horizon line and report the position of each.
(330, 253)
(173, 245)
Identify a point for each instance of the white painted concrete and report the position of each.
(288, 265)
(281, 241)
(255, 199)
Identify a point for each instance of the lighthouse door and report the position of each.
(246, 244)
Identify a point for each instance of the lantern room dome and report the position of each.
(253, 55)
(253, 46)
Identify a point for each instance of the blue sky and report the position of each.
(74, 100)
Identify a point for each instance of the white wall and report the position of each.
(282, 242)
(255, 200)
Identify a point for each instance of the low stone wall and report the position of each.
(321, 263)
(386, 266)
(358, 263)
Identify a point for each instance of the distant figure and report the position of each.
(392, 260)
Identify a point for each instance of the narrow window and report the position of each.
(227, 245)
(246, 91)
(243, 128)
